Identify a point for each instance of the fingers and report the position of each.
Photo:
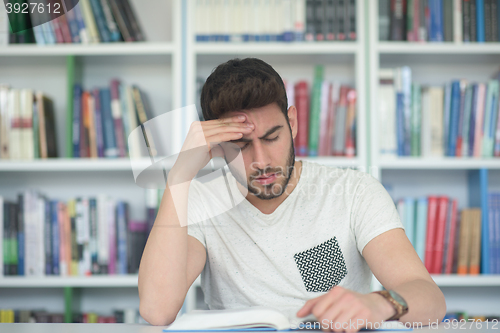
(239, 128)
(308, 306)
(328, 301)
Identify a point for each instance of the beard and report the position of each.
(278, 187)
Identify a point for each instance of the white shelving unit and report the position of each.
(155, 67)
(435, 64)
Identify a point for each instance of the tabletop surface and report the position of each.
(137, 328)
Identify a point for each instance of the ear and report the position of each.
(292, 118)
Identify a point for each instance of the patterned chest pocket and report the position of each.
(321, 267)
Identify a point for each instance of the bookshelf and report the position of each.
(167, 66)
(435, 64)
(155, 67)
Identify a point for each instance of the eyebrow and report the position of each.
(269, 132)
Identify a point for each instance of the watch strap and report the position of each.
(400, 309)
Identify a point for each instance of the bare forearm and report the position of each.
(426, 302)
(163, 271)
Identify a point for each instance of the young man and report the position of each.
(303, 239)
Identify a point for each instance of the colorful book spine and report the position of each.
(436, 21)
(98, 123)
(100, 20)
(110, 147)
(21, 218)
(55, 237)
(117, 117)
(480, 15)
(302, 104)
(479, 123)
(440, 231)
(431, 232)
(315, 111)
(454, 115)
(421, 227)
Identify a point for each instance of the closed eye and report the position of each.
(267, 140)
(271, 140)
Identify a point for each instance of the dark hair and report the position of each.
(242, 84)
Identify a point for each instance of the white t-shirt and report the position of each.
(312, 242)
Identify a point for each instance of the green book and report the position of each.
(68, 304)
(489, 118)
(416, 120)
(466, 120)
(315, 110)
(410, 16)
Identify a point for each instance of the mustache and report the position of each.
(258, 174)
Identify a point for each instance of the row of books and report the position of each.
(326, 113)
(448, 241)
(125, 316)
(458, 119)
(86, 21)
(104, 118)
(27, 124)
(80, 237)
(275, 20)
(439, 20)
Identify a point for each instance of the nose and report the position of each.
(261, 158)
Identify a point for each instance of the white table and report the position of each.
(136, 328)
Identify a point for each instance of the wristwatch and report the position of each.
(396, 301)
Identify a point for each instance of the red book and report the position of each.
(452, 236)
(439, 240)
(57, 29)
(116, 111)
(302, 105)
(66, 33)
(431, 231)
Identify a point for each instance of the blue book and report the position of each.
(98, 123)
(409, 212)
(110, 147)
(100, 21)
(48, 238)
(436, 20)
(121, 237)
(82, 32)
(446, 116)
(480, 21)
(77, 111)
(421, 227)
(400, 122)
(73, 26)
(454, 115)
(495, 217)
(55, 237)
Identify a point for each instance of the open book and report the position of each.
(253, 319)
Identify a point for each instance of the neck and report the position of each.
(269, 206)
